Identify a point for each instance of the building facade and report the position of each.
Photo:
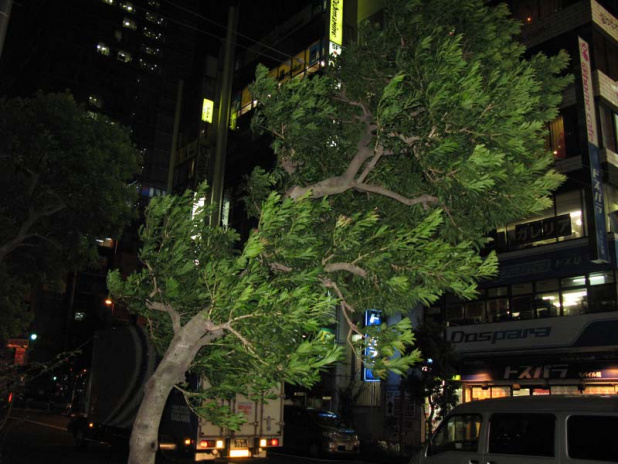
(548, 324)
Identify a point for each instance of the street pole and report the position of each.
(223, 118)
(5, 14)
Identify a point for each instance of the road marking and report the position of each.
(39, 423)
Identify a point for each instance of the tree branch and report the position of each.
(166, 308)
(348, 267)
(424, 199)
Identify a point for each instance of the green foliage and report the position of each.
(422, 137)
(65, 181)
(273, 317)
(393, 166)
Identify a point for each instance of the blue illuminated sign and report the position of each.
(372, 317)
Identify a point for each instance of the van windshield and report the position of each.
(326, 418)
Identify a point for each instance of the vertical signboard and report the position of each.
(372, 317)
(335, 27)
(601, 251)
(207, 110)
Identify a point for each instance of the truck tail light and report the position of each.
(207, 444)
(220, 444)
(264, 442)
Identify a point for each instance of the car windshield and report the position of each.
(329, 419)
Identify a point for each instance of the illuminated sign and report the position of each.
(207, 110)
(336, 22)
(602, 248)
(372, 317)
(335, 30)
(459, 336)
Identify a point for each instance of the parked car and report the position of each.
(530, 430)
(318, 432)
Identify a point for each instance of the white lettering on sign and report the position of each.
(547, 371)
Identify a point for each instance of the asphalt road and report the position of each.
(33, 437)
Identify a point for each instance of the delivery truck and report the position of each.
(107, 397)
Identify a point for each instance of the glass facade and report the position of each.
(569, 296)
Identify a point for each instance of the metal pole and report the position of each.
(172, 166)
(5, 14)
(218, 174)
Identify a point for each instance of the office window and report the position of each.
(152, 34)
(123, 56)
(95, 101)
(129, 24)
(127, 6)
(608, 128)
(575, 302)
(498, 310)
(556, 138)
(153, 18)
(150, 50)
(102, 49)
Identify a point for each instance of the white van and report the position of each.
(527, 430)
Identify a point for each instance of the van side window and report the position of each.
(522, 434)
(458, 433)
(593, 438)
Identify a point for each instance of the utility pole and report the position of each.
(223, 117)
(5, 14)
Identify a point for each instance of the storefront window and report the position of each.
(575, 302)
(522, 307)
(497, 291)
(576, 281)
(547, 285)
(521, 392)
(498, 310)
(602, 298)
(500, 392)
(521, 289)
(480, 393)
(455, 315)
(475, 312)
(562, 221)
(570, 203)
(599, 390)
(564, 390)
(547, 304)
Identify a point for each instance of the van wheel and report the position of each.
(314, 450)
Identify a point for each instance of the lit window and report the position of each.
(123, 56)
(152, 34)
(128, 7)
(151, 67)
(150, 50)
(126, 22)
(95, 101)
(79, 316)
(102, 49)
(153, 18)
(109, 2)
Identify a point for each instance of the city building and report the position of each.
(123, 59)
(548, 324)
(293, 44)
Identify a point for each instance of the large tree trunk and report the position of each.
(176, 361)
